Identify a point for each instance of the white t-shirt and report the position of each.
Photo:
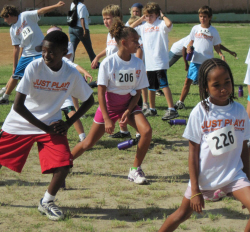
(111, 47)
(247, 77)
(46, 91)
(26, 33)
(204, 41)
(113, 70)
(155, 43)
(218, 171)
(71, 51)
(82, 13)
(178, 46)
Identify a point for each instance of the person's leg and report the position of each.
(151, 97)
(179, 216)
(11, 85)
(168, 96)
(96, 132)
(86, 41)
(185, 89)
(138, 121)
(243, 195)
(73, 38)
(248, 101)
(145, 104)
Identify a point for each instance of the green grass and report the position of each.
(99, 198)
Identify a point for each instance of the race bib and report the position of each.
(222, 140)
(125, 78)
(26, 32)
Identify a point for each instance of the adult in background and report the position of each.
(135, 10)
(81, 31)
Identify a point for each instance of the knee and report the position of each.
(182, 216)
(86, 144)
(147, 132)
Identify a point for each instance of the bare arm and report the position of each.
(184, 54)
(97, 58)
(227, 50)
(245, 158)
(16, 51)
(139, 53)
(217, 49)
(166, 19)
(196, 203)
(47, 9)
(84, 72)
(83, 26)
(137, 22)
(191, 43)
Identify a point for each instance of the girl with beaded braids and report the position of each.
(218, 130)
(120, 80)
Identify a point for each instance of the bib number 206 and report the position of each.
(125, 77)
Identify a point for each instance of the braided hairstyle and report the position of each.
(119, 31)
(204, 70)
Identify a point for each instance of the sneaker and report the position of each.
(170, 114)
(218, 194)
(120, 135)
(150, 112)
(145, 106)
(137, 176)
(51, 210)
(179, 105)
(2, 91)
(4, 101)
(159, 92)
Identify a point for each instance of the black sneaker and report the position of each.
(4, 101)
(150, 112)
(170, 114)
(179, 105)
(120, 135)
(159, 92)
(50, 210)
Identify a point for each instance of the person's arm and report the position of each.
(227, 50)
(109, 125)
(133, 102)
(217, 49)
(76, 103)
(248, 102)
(138, 22)
(197, 202)
(94, 63)
(16, 51)
(21, 109)
(184, 54)
(83, 27)
(68, 56)
(191, 43)
(139, 53)
(47, 9)
(84, 72)
(166, 20)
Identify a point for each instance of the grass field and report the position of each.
(98, 196)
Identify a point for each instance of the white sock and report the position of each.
(47, 197)
(6, 96)
(171, 108)
(180, 101)
(82, 136)
(4, 88)
(152, 109)
(137, 135)
(124, 132)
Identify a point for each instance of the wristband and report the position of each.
(195, 195)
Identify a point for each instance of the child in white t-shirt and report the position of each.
(203, 38)
(247, 81)
(218, 130)
(120, 80)
(24, 33)
(154, 34)
(36, 117)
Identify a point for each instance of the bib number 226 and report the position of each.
(224, 140)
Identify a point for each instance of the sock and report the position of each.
(47, 197)
(4, 88)
(133, 168)
(171, 108)
(152, 109)
(124, 132)
(6, 96)
(180, 101)
(137, 135)
(82, 136)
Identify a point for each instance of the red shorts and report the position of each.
(53, 150)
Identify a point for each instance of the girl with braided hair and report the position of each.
(218, 132)
(120, 80)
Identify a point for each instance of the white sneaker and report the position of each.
(137, 176)
(2, 91)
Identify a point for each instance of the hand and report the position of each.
(58, 127)
(197, 203)
(223, 58)
(124, 119)
(87, 75)
(60, 3)
(189, 49)
(233, 54)
(161, 14)
(186, 67)
(85, 33)
(94, 63)
(109, 126)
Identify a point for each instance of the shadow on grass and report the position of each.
(22, 183)
(169, 144)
